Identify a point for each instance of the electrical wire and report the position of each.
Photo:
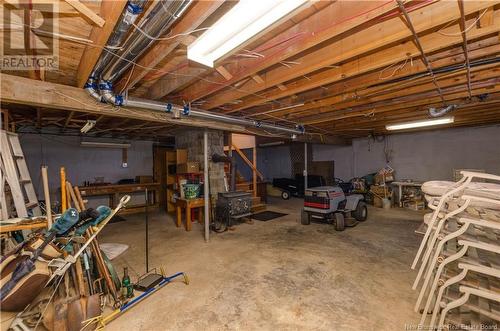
(225, 84)
(464, 31)
(167, 38)
(398, 68)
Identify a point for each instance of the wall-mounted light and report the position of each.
(103, 144)
(419, 124)
(246, 20)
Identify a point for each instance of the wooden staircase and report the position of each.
(257, 204)
(242, 184)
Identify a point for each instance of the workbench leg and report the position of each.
(200, 215)
(179, 216)
(188, 218)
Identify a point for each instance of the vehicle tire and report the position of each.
(361, 212)
(305, 218)
(285, 195)
(339, 222)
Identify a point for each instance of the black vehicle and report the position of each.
(295, 186)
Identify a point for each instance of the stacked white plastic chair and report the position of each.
(458, 261)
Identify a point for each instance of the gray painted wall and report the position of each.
(82, 163)
(420, 156)
(272, 162)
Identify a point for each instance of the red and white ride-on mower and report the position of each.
(330, 204)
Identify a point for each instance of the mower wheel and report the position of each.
(339, 222)
(361, 212)
(285, 195)
(305, 218)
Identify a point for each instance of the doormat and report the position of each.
(267, 215)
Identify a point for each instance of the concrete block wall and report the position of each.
(83, 163)
(428, 155)
(192, 140)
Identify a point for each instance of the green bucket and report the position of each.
(191, 191)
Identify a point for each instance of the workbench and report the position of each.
(400, 186)
(114, 193)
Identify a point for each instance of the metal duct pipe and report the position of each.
(154, 25)
(161, 17)
(435, 112)
(129, 16)
(118, 100)
(245, 122)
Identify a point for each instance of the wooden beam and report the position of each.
(331, 21)
(464, 44)
(110, 11)
(257, 79)
(361, 85)
(68, 119)
(386, 95)
(224, 73)
(432, 42)
(23, 91)
(192, 19)
(391, 32)
(29, 41)
(62, 7)
(86, 12)
(248, 162)
(487, 18)
(177, 79)
(428, 101)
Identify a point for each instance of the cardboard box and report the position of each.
(188, 167)
(144, 179)
(384, 178)
(182, 156)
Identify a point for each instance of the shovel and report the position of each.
(82, 309)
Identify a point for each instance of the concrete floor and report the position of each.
(277, 275)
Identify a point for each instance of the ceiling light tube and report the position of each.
(420, 124)
(240, 24)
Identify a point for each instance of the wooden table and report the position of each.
(115, 191)
(189, 204)
(400, 186)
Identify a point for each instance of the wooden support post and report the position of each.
(64, 204)
(46, 192)
(79, 198)
(72, 196)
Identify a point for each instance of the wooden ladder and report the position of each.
(14, 171)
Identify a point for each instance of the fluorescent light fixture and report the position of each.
(241, 23)
(273, 143)
(103, 145)
(419, 124)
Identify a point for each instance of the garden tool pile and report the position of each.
(61, 278)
